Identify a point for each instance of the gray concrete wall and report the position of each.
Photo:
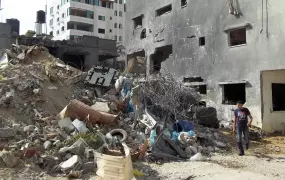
(216, 61)
(5, 36)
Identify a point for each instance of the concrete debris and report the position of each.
(101, 106)
(47, 145)
(73, 163)
(9, 159)
(80, 126)
(121, 119)
(66, 124)
(7, 132)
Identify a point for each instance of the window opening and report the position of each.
(138, 22)
(183, 3)
(237, 37)
(164, 10)
(278, 98)
(101, 31)
(233, 93)
(202, 41)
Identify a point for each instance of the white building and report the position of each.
(71, 19)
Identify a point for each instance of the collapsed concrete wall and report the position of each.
(205, 44)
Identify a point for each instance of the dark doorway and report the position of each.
(278, 98)
(160, 55)
(74, 60)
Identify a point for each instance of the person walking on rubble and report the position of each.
(241, 126)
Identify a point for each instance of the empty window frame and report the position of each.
(120, 38)
(120, 1)
(62, 28)
(120, 13)
(110, 30)
(57, 32)
(138, 22)
(101, 31)
(202, 41)
(163, 10)
(183, 3)
(120, 26)
(115, 38)
(115, 13)
(57, 19)
(278, 98)
(63, 15)
(233, 93)
(51, 10)
(51, 33)
(115, 25)
(104, 4)
(101, 18)
(202, 89)
(237, 37)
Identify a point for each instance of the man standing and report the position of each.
(241, 125)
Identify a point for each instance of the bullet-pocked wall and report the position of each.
(228, 51)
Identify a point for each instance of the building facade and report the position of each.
(71, 19)
(230, 49)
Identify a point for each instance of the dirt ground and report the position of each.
(261, 162)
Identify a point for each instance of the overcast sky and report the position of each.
(23, 10)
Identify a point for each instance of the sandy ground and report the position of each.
(220, 167)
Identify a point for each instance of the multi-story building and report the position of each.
(71, 19)
(231, 49)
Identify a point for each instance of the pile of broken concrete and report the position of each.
(60, 123)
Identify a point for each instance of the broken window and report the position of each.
(202, 41)
(278, 98)
(115, 25)
(115, 38)
(110, 30)
(233, 93)
(183, 3)
(115, 13)
(120, 14)
(51, 33)
(202, 89)
(101, 18)
(237, 37)
(138, 22)
(63, 15)
(163, 10)
(101, 31)
(62, 28)
(121, 1)
(120, 26)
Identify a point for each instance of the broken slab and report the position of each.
(66, 124)
(80, 126)
(9, 159)
(77, 148)
(73, 163)
(101, 106)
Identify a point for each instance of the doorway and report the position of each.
(273, 100)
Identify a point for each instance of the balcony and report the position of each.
(76, 32)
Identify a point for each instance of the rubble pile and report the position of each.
(65, 126)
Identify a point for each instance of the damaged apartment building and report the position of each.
(84, 53)
(230, 49)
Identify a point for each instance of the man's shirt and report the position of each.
(242, 115)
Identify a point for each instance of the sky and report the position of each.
(23, 10)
